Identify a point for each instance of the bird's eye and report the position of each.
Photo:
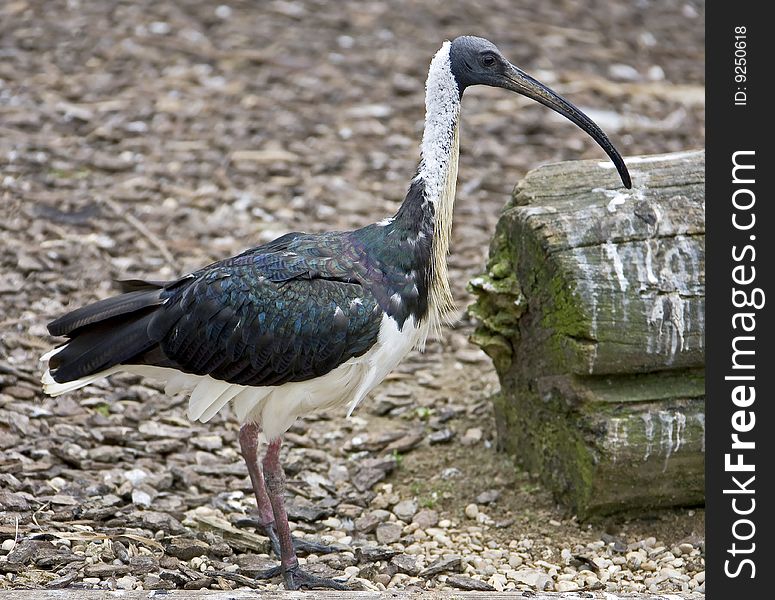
(488, 60)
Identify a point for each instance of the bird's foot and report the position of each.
(296, 578)
(299, 544)
(269, 573)
(310, 547)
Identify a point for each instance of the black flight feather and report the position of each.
(102, 346)
(72, 322)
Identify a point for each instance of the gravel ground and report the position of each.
(145, 139)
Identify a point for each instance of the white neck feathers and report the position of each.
(442, 109)
(438, 170)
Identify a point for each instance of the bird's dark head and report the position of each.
(477, 61)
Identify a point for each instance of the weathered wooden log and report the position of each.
(592, 309)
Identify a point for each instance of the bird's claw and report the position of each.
(310, 547)
(249, 522)
(296, 578)
(299, 544)
(269, 573)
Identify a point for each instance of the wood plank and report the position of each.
(329, 595)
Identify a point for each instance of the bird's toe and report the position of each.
(269, 573)
(300, 545)
(310, 547)
(296, 578)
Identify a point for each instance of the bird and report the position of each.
(309, 321)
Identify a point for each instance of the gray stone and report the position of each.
(142, 565)
(566, 586)
(161, 521)
(199, 584)
(469, 583)
(368, 522)
(127, 582)
(28, 551)
(372, 471)
(349, 511)
(107, 454)
(154, 582)
(404, 563)
(208, 442)
(337, 473)
(373, 554)
(252, 564)
(103, 570)
(451, 473)
(534, 578)
(388, 533)
(367, 477)
(300, 510)
(63, 580)
(221, 549)
(488, 497)
(426, 518)
(472, 436)
(120, 551)
(405, 510)
(449, 562)
(13, 501)
(407, 442)
(442, 436)
(186, 548)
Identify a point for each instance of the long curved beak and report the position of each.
(520, 82)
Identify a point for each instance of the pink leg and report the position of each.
(293, 575)
(275, 484)
(248, 441)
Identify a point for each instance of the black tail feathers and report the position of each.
(106, 333)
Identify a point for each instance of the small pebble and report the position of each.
(127, 582)
(566, 586)
(515, 561)
(498, 581)
(223, 11)
(388, 533)
(685, 548)
(472, 436)
(426, 518)
(488, 497)
(403, 563)
(331, 523)
(141, 498)
(352, 571)
(405, 510)
(442, 436)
